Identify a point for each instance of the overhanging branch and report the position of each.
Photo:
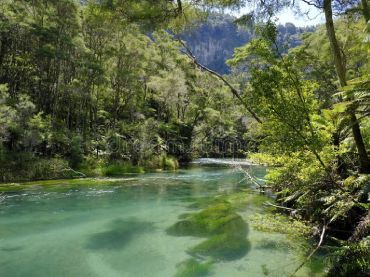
(313, 252)
(234, 91)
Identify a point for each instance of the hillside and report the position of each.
(214, 41)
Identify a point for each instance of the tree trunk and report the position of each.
(341, 72)
(364, 158)
(365, 10)
(335, 49)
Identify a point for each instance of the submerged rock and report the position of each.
(225, 230)
(216, 219)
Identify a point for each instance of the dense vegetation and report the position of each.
(84, 87)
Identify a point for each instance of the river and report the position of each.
(119, 227)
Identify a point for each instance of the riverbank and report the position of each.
(57, 168)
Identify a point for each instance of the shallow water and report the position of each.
(117, 228)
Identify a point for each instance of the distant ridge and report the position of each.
(214, 42)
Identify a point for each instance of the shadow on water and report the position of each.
(11, 249)
(120, 233)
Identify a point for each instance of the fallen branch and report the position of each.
(79, 174)
(234, 91)
(2, 197)
(247, 175)
(313, 252)
(279, 207)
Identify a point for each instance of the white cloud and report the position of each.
(308, 15)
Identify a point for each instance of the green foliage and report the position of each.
(31, 168)
(169, 163)
(84, 81)
(95, 84)
(279, 224)
(305, 130)
(351, 260)
(76, 155)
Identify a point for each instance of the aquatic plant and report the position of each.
(225, 230)
(272, 244)
(193, 268)
(279, 224)
(265, 270)
(224, 247)
(216, 219)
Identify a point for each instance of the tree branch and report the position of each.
(279, 207)
(312, 4)
(234, 91)
(313, 252)
(179, 6)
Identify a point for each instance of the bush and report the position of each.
(24, 167)
(352, 259)
(161, 162)
(169, 163)
(76, 151)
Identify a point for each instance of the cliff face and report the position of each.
(214, 42)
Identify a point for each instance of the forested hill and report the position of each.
(214, 41)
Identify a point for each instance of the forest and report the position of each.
(101, 88)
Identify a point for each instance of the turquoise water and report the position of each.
(117, 227)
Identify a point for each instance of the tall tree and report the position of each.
(341, 73)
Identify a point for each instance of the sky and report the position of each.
(314, 17)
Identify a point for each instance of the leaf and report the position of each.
(341, 107)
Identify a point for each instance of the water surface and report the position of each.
(117, 228)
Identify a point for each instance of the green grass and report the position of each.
(62, 184)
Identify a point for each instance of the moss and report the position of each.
(227, 246)
(205, 202)
(184, 216)
(225, 230)
(265, 270)
(64, 184)
(272, 245)
(216, 219)
(193, 268)
(276, 223)
(236, 200)
(12, 187)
